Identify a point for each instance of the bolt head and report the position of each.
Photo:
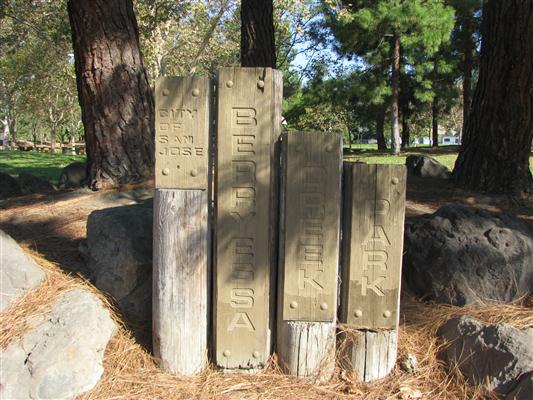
(229, 84)
(387, 314)
(255, 354)
(323, 306)
(261, 84)
(226, 353)
(293, 305)
(165, 171)
(194, 172)
(358, 313)
(394, 181)
(329, 148)
(165, 92)
(195, 92)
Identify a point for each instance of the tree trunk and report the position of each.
(405, 131)
(495, 155)
(435, 121)
(380, 130)
(467, 68)
(5, 132)
(257, 34)
(13, 131)
(395, 86)
(53, 136)
(116, 100)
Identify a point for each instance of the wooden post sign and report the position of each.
(249, 121)
(181, 233)
(309, 252)
(374, 209)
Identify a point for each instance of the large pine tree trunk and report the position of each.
(115, 97)
(257, 34)
(395, 86)
(435, 121)
(467, 67)
(380, 130)
(405, 131)
(494, 155)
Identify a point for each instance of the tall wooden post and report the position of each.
(309, 252)
(181, 224)
(249, 121)
(373, 220)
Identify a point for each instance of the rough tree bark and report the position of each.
(468, 63)
(380, 129)
(395, 86)
(495, 155)
(435, 121)
(116, 100)
(405, 131)
(257, 34)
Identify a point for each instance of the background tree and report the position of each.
(257, 34)
(115, 97)
(495, 153)
(387, 29)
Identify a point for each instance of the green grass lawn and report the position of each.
(445, 155)
(43, 165)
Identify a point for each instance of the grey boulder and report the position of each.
(33, 184)
(463, 255)
(73, 175)
(18, 273)
(60, 356)
(9, 186)
(118, 254)
(493, 355)
(426, 167)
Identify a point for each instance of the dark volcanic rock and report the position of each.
(463, 255)
(118, 254)
(426, 167)
(33, 184)
(73, 175)
(9, 186)
(494, 355)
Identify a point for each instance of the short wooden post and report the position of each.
(181, 224)
(248, 128)
(309, 252)
(374, 209)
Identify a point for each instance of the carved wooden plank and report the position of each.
(249, 111)
(374, 209)
(309, 252)
(181, 225)
(373, 238)
(182, 132)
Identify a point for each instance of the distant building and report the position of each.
(449, 140)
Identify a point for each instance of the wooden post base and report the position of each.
(368, 354)
(307, 348)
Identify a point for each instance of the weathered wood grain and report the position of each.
(373, 218)
(372, 244)
(309, 252)
(369, 355)
(181, 275)
(181, 279)
(248, 127)
(182, 132)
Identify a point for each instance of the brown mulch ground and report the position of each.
(51, 228)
